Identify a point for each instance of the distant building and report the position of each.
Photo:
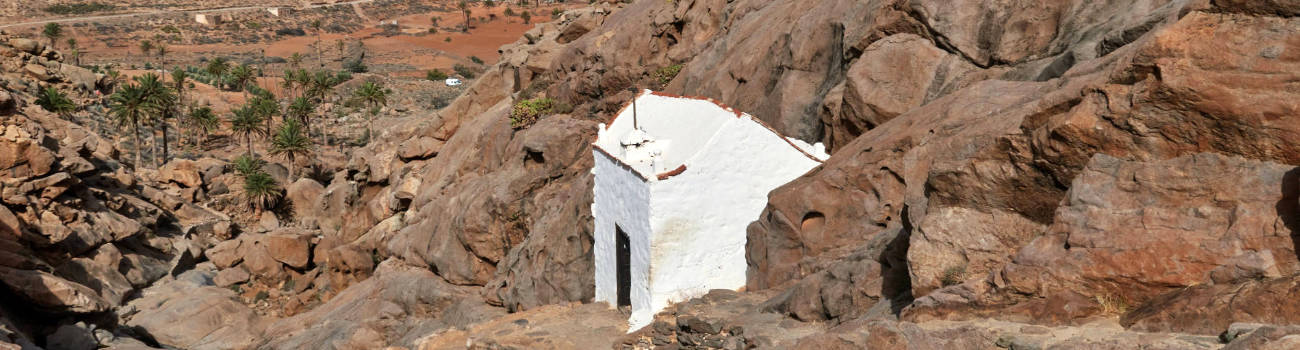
(279, 11)
(208, 19)
(452, 82)
(674, 195)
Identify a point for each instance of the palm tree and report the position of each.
(162, 103)
(52, 31)
(55, 101)
(178, 83)
(130, 108)
(146, 47)
(290, 142)
(202, 120)
(374, 96)
(218, 66)
(301, 109)
(266, 108)
(76, 53)
(261, 190)
(295, 60)
(241, 76)
(161, 49)
(114, 77)
(315, 26)
(319, 85)
(289, 82)
(246, 165)
(464, 9)
(247, 123)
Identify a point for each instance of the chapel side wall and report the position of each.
(621, 197)
(700, 216)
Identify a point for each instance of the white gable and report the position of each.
(672, 129)
(672, 198)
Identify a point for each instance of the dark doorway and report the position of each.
(624, 267)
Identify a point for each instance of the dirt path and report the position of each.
(354, 3)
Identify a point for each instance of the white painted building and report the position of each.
(674, 195)
(208, 19)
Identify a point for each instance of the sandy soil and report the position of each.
(408, 54)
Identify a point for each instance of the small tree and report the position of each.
(290, 142)
(261, 191)
(373, 96)
(436, 75)
(247, 124)
(246, 165)
(301, 109)
(55, 101)
(464, 9)
(526, 16)
(295, 60)
(76, 53)
(240, 77)
(202, 120)
(316, 26)
(146, 48)
(52, 31)
(217, 67)
(161, 50)
(130, 108)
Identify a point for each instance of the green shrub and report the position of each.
(78, 8)
(245, 165)
(436, 75)
(527, 112)
(953, 275)
(665, 75)
(476, 60)
(464, 71)
(355, 66)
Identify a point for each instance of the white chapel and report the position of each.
(677, 181)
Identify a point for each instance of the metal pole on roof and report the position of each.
(634, 124)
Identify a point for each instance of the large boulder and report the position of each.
(183, 172)
(195, 315)
(27, 45)
(291, 247)
(304, 197)
(1211, 308)
(49, 292)
(394, 307)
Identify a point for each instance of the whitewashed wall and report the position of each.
(621, 197)
(687, 232)
(699, 217)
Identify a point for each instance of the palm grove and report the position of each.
(151, 103)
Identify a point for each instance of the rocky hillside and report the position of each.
(1063, 174)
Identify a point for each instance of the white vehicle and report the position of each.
(453, 82)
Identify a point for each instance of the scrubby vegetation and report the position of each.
(79, 8)
(527, 112)
(665, 75)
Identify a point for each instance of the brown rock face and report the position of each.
(1129, 231)
(1210, 309)
(52, 293)
(894, 75)
(192, 315)
(182, 172)
(395, 306)
(289, 247)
